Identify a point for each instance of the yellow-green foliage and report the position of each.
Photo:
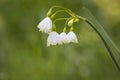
(25, 56)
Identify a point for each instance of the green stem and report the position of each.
(59, 19)
(52, 16)
(105, 43)
(66, 9)
(67, 21)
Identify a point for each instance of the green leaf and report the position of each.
(109, 44)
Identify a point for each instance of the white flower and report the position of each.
(71, 37)
(62, 38)
(53, 38)
(45, 25)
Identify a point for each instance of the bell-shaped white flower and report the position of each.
(45, 25)
(53, 38)
(62, 38)
(71, 37)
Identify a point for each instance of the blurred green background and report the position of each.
(23, 51)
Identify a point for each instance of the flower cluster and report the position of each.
(47, 26)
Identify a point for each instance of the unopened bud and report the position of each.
(70, 23)
(76, 20)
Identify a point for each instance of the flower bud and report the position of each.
(76, 20)
(70, 23)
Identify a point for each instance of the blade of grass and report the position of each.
(100, 29)
(109, 44)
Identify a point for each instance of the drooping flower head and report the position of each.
(62, 38)
(45, 25)
(48, 25)
(53, 38)
(71, 37)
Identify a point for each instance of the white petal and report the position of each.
(53, 38)
(62, 38)
(71, 37)
(45, 25)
